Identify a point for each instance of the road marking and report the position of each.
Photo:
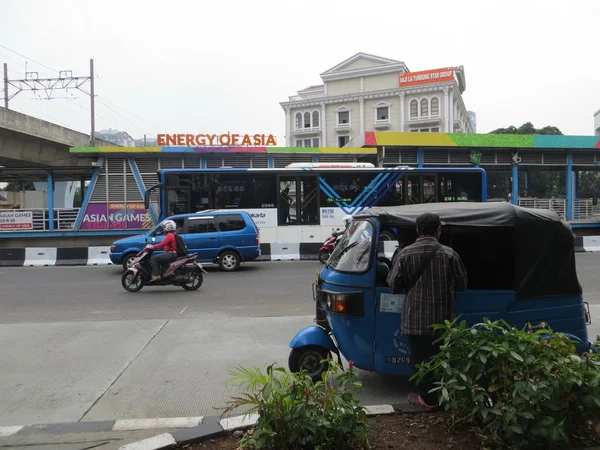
(9, 431)
(183, 310)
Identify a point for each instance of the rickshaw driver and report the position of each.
(429, 273)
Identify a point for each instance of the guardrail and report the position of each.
(583, 208)
(13, 220)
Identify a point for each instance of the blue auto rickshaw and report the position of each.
(521, 267)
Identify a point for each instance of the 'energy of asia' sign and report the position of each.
(188, 140)
(426, 77)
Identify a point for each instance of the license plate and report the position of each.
(397, 359)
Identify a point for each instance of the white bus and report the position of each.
(305, 201)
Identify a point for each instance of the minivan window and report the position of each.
(159, 231)
(201, 226)
(231, 222)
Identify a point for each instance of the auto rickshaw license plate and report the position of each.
(397, 359)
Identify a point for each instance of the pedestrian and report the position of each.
(429, 273)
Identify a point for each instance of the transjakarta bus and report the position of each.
(304, 202)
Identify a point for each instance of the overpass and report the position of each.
(29, 147)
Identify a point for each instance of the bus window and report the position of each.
(263, 191)
(460, 187)
(308, 201)
(339, 188)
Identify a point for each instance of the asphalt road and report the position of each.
(77, 347)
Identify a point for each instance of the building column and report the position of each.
(361, 101)
(451, 107)
(402, 110)
(569, 205)
(515, 185)
(446, 110)
(323, 125)
(527, 179)
(288, 125)
(270, 161)
(420, 157)
(50, 202)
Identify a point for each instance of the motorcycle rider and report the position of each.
(169, 246)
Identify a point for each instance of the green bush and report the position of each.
(520, 388)
(296, 413)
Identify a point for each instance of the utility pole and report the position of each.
(65, 81)
(93, 105)
(5, 85)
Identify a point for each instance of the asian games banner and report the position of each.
(116, 216)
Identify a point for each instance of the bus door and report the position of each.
(421, 189)
(298, 200)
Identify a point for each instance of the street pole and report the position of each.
(92, 97)
(6, 85)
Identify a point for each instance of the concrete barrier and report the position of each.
(35, 257)
(98, 256)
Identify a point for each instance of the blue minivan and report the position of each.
(222, 237)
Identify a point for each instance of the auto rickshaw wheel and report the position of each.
(309, 359)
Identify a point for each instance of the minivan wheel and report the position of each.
(229, 261)
(128, 261)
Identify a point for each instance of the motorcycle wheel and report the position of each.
(324, 256)
(196, 280)
(131, 282)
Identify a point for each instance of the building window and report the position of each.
(424, 107)
(343, 117)
(298, 142)
(307, 142)
(306, 120)
(383, 113)
(298, 121)
(435, 130)
(315, 119)
(414, 108)
(343, 140)
(316, 142)
(435, 106)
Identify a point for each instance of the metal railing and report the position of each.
(583, 208)
(64, 220)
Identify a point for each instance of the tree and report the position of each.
(541, 183)
(15, 186)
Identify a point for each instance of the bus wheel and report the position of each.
(229, 261)
(309, 358)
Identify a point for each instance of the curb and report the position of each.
(99, 256)
(186, 429)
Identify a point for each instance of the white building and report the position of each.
(117, 137)
(371, 93)
(597, 123)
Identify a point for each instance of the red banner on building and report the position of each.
(426, 77)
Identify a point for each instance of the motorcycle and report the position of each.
(329, 245)
(185, 271)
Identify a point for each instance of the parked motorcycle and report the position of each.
(185, 271)
(329, 245)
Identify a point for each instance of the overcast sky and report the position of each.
(224, 66)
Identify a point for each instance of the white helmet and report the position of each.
(347, 219)
(169, 225)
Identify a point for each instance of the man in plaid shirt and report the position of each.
(430, 273)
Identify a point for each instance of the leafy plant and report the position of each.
(296, 413)
(519, 387)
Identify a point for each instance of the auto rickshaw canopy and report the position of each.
(530, 251)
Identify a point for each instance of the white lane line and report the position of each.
(183, 310)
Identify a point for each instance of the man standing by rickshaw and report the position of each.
(429, 273)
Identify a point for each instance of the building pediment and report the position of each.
(363, 64)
